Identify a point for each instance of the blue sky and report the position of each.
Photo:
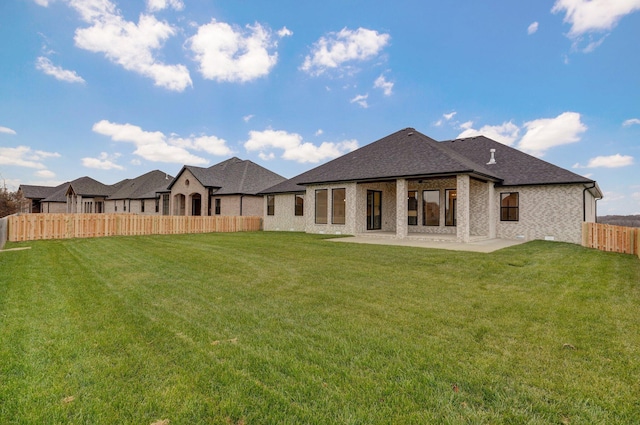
(113, 89)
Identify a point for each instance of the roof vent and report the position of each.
(410, 133)
(493, 157)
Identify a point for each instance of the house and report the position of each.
(141, 195)
(87, 195)
(33, 198)
(229, 188)
(407, 184)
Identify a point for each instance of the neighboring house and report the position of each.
(229, 188)
(409, 184)
(33, 197)
(86, 195)
(141, 195)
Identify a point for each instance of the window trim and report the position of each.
(508, 209)
(409, 217)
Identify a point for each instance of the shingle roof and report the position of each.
(409, 153)
(36, 192)
(405, 153)
(235, 176)
(86, 186)
(143, 187)
(512, 166)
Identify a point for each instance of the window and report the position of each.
(509, 206)
(412, 214)
(321, 206)
(271, 204)
(142, 205)
(338, 206)
(165, 204)
(450, 207)
(431, 208)
(374, 210)
(299, 206)
(124, 206)
(157, 205)
(217, 206)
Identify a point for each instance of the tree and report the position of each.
(9, 202)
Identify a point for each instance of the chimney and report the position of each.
(493, 157)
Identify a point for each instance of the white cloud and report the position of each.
(45, 174)
(24, 156)
(294, 148)
(545, 133)
(506, 133)
(466, 125)
(231, 54)
(532, 28)
(103, 162)
(129, 44)
(594, 15)
(247, 118)
(361, 100)
(158, 5)
(382, 83)
(612, 161)
(448, 117)
(44, 3)
(319, 132)
(284, 32)
(627, 123)
(44, 64)
(336, 49)
(156, 146)
(7, 130)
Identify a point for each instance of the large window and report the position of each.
(338, 206)
(451, 197)
(271, 204)
(299, 206)
(509, 206)
(321, 206)
(431, 208)
(412, 208)
(165, 204)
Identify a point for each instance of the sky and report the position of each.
(112, 89)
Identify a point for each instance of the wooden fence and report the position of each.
(606, 237)
(29, 227)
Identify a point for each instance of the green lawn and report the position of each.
(277, 328)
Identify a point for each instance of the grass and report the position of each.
(280, 328)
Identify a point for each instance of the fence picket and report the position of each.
(607, 237)
(27, 227)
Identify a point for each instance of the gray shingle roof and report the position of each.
(409, 153)
(36, 192)
(88, 187)
(143, 187)
(512, 166)
(235, 176)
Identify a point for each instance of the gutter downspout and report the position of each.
(584, 203)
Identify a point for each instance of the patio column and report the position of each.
(462, 208)
(402, 228)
